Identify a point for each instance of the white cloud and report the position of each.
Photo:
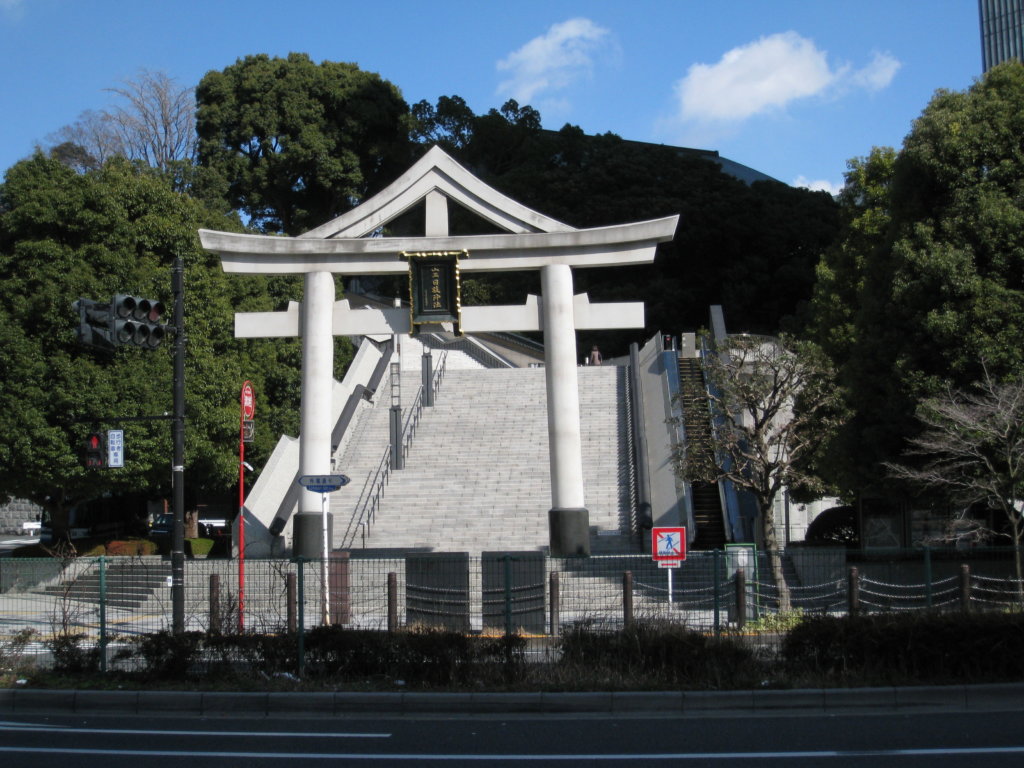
(820, 185)
(878, 74)
(762, 75)
(553, 61)
(768, 74)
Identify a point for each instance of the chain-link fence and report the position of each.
(109, 600)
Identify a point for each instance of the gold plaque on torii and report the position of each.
(434, 288)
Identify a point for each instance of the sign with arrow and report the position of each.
(323, 483)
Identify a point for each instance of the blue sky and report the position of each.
(793, 88)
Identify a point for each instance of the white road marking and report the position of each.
(638, 757)
(36, 728)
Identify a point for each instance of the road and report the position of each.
(881, 740)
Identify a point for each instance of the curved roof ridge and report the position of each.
(437, 171)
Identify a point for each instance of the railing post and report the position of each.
(427, 365)
(301, 603)
(103, 614)
(214, 608)
(965, 588)
(290, 591)
(397, 454)
(853, 592)
(508, 595)
(715, 564)
(741, 598)
(555, 597)
(928, 597)
(392, 602)
(627, 598)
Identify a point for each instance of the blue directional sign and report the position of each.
(323, 483)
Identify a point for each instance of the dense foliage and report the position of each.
(299, 143)
(751, 248)
(66, 235)
(927, 279)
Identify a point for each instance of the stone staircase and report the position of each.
(128, 582)
(477, 474)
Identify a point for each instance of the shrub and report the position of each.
(912, 648)
(270, 654)
(660, 655)
(167, 655)
(69, 655)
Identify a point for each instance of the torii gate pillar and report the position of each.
(568, 519)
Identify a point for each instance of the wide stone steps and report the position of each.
(477, 475)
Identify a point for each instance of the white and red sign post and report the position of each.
(248, 410)
(668, 549)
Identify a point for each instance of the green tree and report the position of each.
(298, 143)
(930, 269)
(65, 235)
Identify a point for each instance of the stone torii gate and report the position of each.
(346, 245)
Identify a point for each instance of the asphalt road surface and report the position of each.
(936, 739)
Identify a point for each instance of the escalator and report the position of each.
(707, 502)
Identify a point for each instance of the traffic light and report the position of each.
(136, 321)
(94, 451)
(93, 324)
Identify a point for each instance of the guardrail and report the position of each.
(98, 600)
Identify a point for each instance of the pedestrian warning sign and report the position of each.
(668, 544)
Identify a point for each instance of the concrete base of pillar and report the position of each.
(569, 532)
(307, 534)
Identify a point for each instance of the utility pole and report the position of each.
(178, 463)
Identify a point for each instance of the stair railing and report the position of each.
(412, 421)
(369, 501)
(373, 489)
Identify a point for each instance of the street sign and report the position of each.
(323, 483)
(248, 431)
(668, 545)
(115, 448)
(248, 401)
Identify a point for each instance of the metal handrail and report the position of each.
(631, 457)
(373, 490)
(370, 496)
(412, 421)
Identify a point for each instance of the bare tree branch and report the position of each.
(154, 124)
(972, 451)
(774, 403)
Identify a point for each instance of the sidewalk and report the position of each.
(1003, 697)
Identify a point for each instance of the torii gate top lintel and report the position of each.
(533, 240)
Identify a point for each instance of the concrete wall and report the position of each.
(667, 494)
(275, 491)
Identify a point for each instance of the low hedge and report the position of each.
(907, 648)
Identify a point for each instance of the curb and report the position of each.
(1008, 696)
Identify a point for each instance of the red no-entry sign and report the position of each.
(668, 544)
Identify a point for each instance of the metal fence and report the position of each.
(108, 599)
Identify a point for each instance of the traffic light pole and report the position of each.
(178, 463)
